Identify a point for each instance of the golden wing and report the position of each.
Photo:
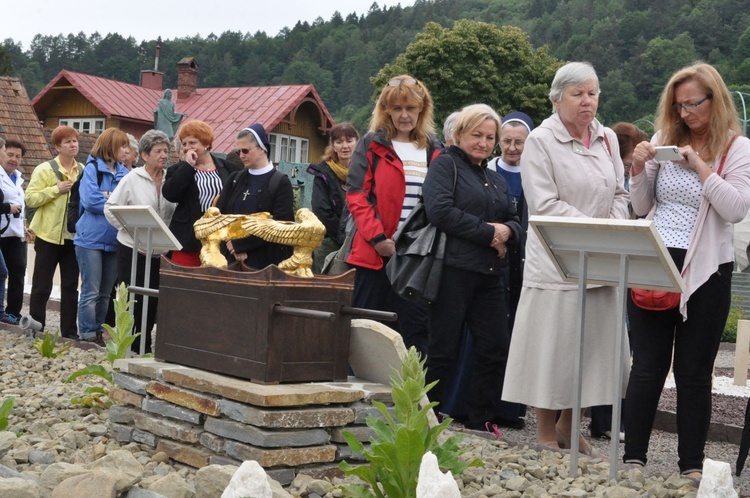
(308, 233)
(212, 221)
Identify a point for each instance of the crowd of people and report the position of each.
(501, 333)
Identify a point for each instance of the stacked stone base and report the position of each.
(200, 418)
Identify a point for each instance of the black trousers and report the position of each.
(480, 301)
(14, 253)
(372, 290)
(124, 265)
(48, 257)
(654, 337)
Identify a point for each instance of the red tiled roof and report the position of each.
(19, 122)
(226, 110)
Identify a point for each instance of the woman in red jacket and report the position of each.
(383, 186)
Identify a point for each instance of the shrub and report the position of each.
(5, 410)
(400, 442)
(117, 347)
(46, 346)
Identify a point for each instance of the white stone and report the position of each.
(249, 480)
(716, 481)
(432, 483)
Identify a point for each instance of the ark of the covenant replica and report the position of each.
(277, 324)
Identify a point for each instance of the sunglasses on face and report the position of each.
(244, 152)
(398, 81)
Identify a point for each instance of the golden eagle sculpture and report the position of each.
(305, 236)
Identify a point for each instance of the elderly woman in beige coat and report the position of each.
(572, 167)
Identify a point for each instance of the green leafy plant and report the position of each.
(736, 312)
(400, 442)
(46, 346)
(5, 410)
(121, 337)
(117, 346)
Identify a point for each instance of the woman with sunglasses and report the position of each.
(384, 183)
(193, 184)
(259, 187)
(694, 202)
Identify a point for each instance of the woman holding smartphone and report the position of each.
(693, 201)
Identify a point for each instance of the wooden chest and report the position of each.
(247, 323)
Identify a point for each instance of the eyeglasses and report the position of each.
(398, 81)
(245, 152)
(689, 107)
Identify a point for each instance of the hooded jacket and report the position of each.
(93, 231)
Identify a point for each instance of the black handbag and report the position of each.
(416, 267)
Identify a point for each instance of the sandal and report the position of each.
(583, 447)
(492, 428)
(552, 445)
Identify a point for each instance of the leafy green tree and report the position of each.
(661, 59)
(617, 101)
(6, 65)
(478, 62)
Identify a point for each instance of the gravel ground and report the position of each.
(663, 448)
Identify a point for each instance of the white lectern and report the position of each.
(592, 251)
(149, 233)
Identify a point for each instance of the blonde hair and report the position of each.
(474, 115)
(408, 94)
(724, 118)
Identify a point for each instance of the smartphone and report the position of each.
(668, 153)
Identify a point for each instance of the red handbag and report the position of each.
(655, 300)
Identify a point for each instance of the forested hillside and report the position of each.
(634, 45)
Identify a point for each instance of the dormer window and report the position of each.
(288, 148)
(84, 125)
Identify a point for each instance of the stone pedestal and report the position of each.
(201, 418)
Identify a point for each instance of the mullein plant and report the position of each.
(117, 346)
(400, 441)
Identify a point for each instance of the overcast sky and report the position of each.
(147, 19)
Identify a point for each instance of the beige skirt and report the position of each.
(541, 362)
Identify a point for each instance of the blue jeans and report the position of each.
(98, 275)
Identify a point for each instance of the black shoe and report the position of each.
(518, 423)
(97, 339)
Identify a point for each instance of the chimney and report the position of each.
(187, 77)
(153, 80)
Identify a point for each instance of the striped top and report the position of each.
(415, 169)
(209, 186)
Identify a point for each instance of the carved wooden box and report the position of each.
(238, 323)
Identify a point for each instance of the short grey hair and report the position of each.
(134, 146)
(151, 139)
(572, 73)
(450, 126)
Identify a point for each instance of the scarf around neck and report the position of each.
(338, 170)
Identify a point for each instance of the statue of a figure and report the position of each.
(165, 117)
